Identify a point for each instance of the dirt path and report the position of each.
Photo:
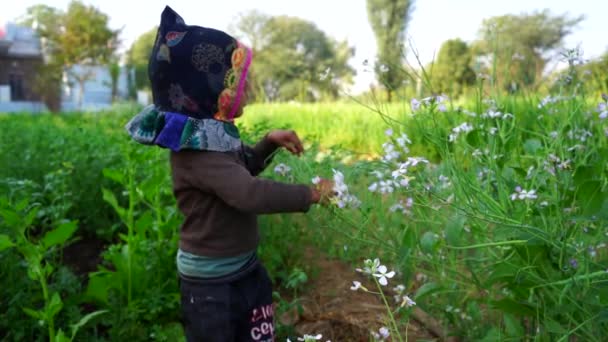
(332, 309)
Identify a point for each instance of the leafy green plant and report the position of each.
(17, 220)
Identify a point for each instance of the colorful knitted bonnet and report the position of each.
(198, 77)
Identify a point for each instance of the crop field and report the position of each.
(489, 217)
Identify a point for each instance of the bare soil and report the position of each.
(331, 308)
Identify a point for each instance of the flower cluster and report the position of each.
(401, 298)
(342, 197)
(382, 335)
(403, 207)
(521, 194)
(463, 128)
(439, 100)
(602, 107)
(492, 113)
(309, 338)
(377, 270)
(282, 169)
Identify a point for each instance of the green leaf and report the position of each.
(590, 197)
(554, 327)
(474, 138)
(427, 289)
(54, 306)
(99, 287)
(513, 307)
(453, 230)
(531, 146)
(84, 320)
(428, 242)
(144, 223)
(60, 234)
(33, 313)
(5, 242)
(114, 175)
(513, 326)
(11, 218)
(60, 337)
(109, 197)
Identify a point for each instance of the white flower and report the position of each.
(415, 104)
(343, 198)
(310, 338)
(493, 130)
(356, 286)
(388, 132)
(554, 134)
(403, 140)
(407, 301)
(316, 180)
(282, 169)
(521, 194)
(413, 161)
(384, 332)
(373, 187)
(384, 68)
(369, 266)
(602, 108)
(383, 275)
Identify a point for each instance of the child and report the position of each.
(199, 84)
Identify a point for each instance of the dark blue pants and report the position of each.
(236, 307)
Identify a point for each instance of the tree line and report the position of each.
(295, 60)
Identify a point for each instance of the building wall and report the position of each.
(20, 74)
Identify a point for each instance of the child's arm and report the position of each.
(259, 157)
(220, 174)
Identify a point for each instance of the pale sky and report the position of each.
(433, 21)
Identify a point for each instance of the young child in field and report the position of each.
(199, 84)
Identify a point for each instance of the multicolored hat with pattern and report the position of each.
(199, 78)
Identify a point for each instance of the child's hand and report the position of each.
(323, 191)
(287, 139)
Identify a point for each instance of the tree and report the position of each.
(137, 58)
(78, 37)
(521, 45)
(452, 71)
(389, 20)
(294, 60)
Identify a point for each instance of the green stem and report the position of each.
(490, 244)
(574, 279)
(388, 308)
(45, 295)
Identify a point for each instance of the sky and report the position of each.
(433, 21)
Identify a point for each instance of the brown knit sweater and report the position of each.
(220, 198)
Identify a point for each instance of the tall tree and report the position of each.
(138, 55)
(294, 59)
(520, 46)
(452, 71)
(389, 20)
(75, 40)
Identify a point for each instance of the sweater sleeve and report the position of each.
(258, 157)
(221, 175)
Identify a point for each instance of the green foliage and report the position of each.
(520, 46)
(294, 59)
(452, 73)
(17, 220)
(79, 36)
(137, 58)
(389, 20)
